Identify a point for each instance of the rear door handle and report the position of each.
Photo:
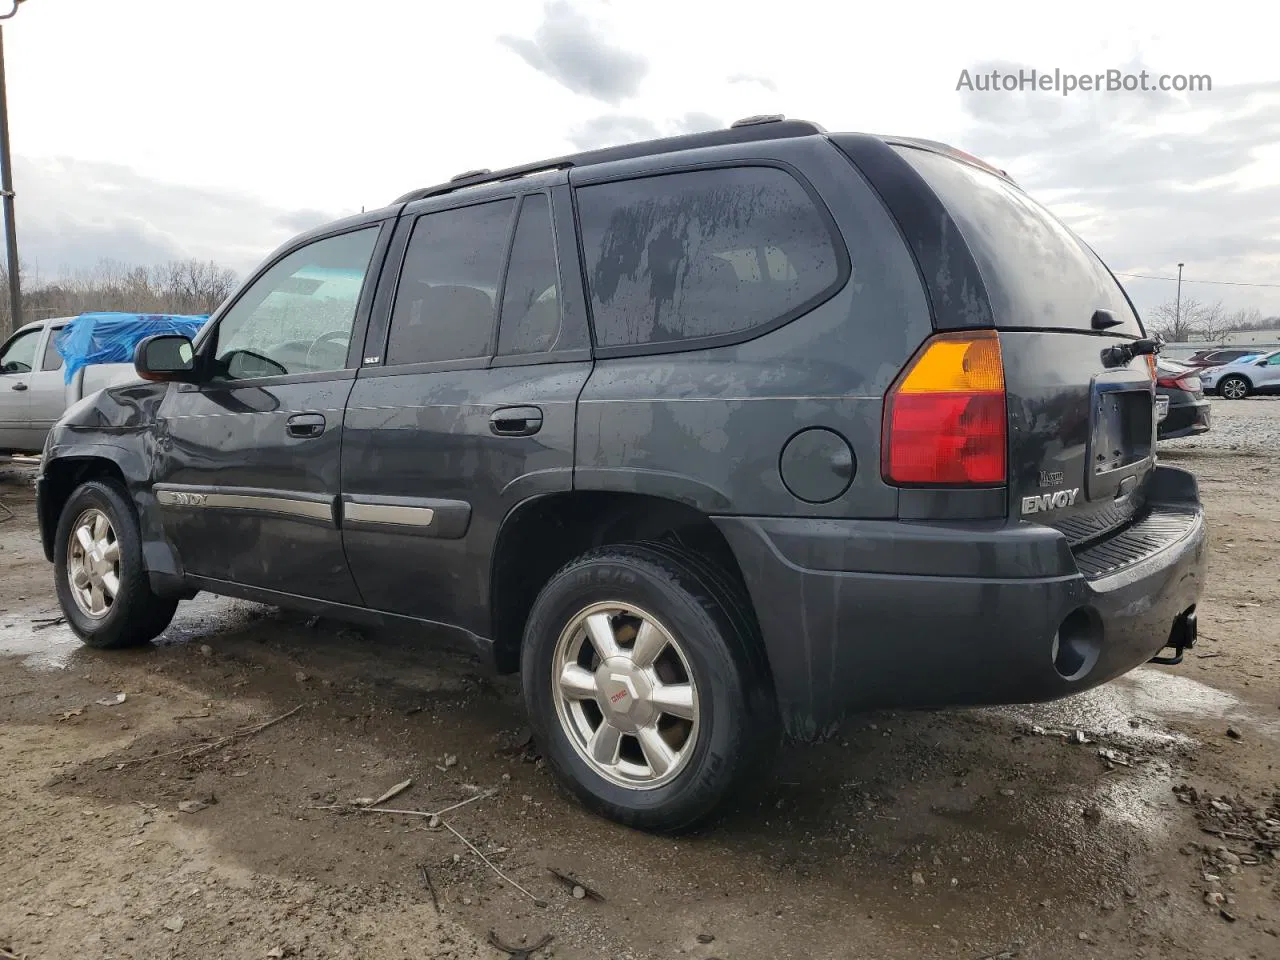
(305, 425)
(516, 421)
(19, 386)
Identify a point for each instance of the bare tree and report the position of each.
(1214, 323)
(1246, 319)
(1169, 323)
(183, 286)
(1178, 323)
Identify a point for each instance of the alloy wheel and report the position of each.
(625, 695)
(93, 563)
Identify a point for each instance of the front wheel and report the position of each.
(642, 685)
(101, 580)
(1234, 388)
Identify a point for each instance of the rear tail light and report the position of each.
(945, 420)
(1190, 383)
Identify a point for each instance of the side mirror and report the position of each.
(1261, 363)
(166, 357)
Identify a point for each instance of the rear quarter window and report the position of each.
(1037, 272)
(688, 258)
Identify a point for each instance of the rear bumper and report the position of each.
(1185, 420)
(884, 614)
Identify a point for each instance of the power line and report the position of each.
(1221, 283)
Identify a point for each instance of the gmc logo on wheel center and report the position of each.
(1050, 501)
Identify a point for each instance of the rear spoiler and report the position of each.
(934, 146)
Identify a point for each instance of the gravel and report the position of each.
(1251, 426)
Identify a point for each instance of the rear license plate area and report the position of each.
(1162, 409)
(1122, 429)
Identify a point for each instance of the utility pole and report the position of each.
(1177, 310)
(6, 193)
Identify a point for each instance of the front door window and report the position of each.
(20, 355)
(298, 316)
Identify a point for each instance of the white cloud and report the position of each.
(73, 213)
(570, 50)
(319, 105)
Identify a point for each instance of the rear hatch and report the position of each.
(1081, 415)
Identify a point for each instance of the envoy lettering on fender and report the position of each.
(181, 498)
(1050, 501)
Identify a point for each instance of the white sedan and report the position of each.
(1259, 373)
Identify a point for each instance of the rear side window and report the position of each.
(52, 358)
(446, 303)
(703, 254)
(531, 300)
(1037, 272)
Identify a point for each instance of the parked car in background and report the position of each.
(1187, 411)
(1245, 376)
(35, 389)
(1215, 358)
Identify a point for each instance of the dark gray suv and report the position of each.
(710, 438)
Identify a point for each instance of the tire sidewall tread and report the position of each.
(1248, 388)
(690, 603)
(137, 615)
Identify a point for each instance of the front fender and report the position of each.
(125, 407)
(65, 466)
(109, 434)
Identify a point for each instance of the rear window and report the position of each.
(1038, 273)
(703, 254)
(52, 358)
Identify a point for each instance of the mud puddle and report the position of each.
(1138, 708)
(40, 636)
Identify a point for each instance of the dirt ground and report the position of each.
(965, 834)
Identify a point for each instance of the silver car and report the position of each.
(1259, 373)
(34, 392)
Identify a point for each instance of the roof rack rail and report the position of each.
(757, 120)
(483, 176)
(772, 127)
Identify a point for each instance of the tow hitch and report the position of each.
(1181, 637)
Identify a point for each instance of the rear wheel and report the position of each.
(1234, 388)
(100, 578)
(642, 687)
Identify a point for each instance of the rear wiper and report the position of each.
(1122, 353)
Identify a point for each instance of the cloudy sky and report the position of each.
(150, 129)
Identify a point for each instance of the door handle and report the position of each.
(516, 421)
(305, 425)
(19, 386)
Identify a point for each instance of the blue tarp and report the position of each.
(112, 337)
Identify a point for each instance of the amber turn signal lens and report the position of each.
(945, 419)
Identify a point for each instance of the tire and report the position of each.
(713, 644)
(1234, 388)
(133, 615)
